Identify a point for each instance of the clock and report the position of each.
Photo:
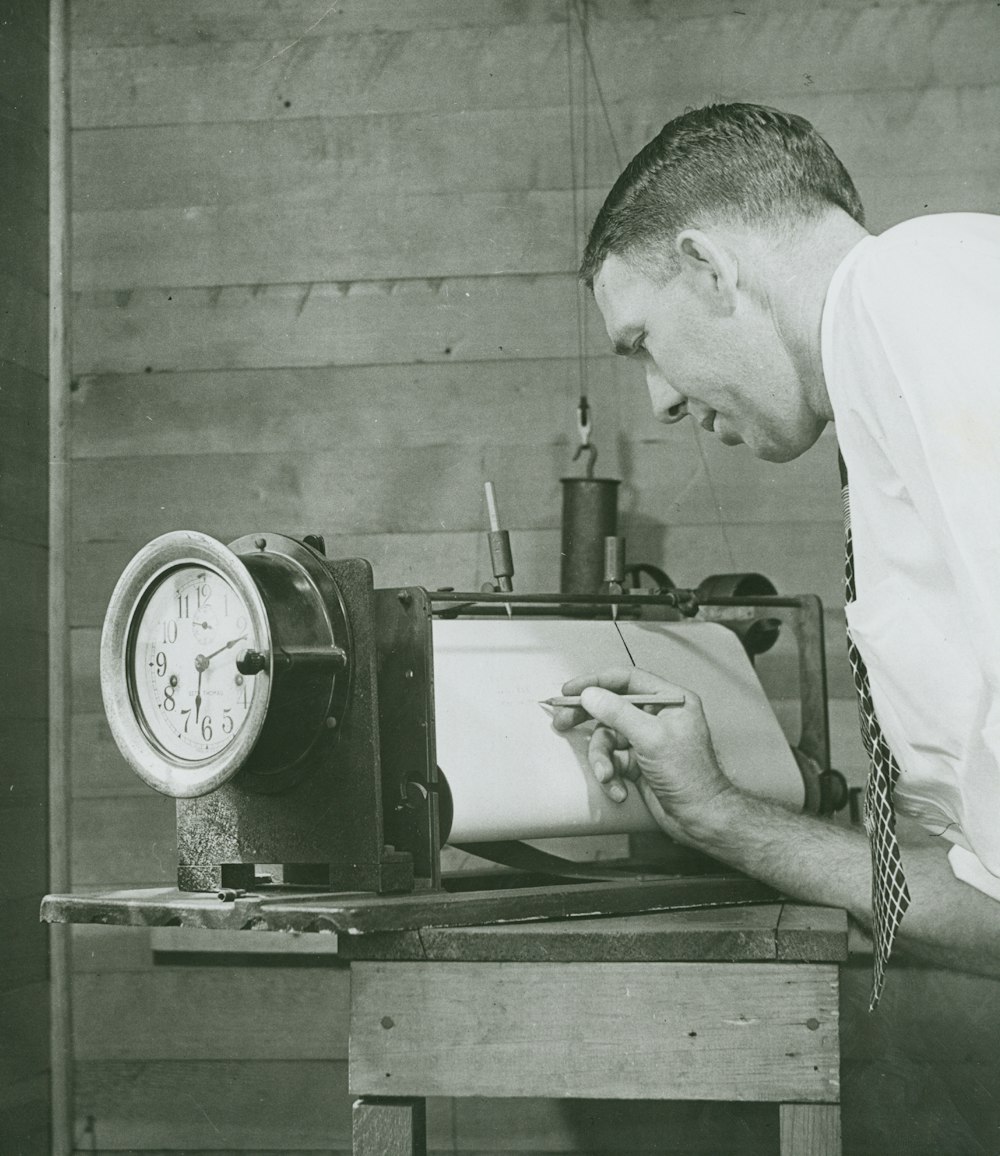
(217, 660)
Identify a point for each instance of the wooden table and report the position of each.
(733, 1004)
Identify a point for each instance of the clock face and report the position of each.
(188, 630)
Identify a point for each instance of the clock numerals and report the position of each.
(193, 698)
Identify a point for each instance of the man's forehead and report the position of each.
(619, 291)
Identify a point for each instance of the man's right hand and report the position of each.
(667, 754)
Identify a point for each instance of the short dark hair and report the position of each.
(734, 162)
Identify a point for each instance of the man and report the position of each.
(731, 261)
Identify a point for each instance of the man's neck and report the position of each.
(798, 274)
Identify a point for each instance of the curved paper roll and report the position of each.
(513, 777)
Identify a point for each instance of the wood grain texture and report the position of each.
(203, 1104)
(384, 1127)
(834, 48)
(810, 1130)
(550, 1029)
(253, 325)
(811, 933)
(337, 236)
(212, 1014)
(131, 839)
(765, 932)
(419, 150)
(262, 411)
(329, 228)
(358, 489)
(215, 1104)
(179, 21)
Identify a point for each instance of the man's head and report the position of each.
(709, 262)
(735, 163)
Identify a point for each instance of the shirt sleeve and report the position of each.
(933, 306)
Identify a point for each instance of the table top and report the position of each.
(778, 932)
(701, 918)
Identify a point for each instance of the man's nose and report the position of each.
(668, 405)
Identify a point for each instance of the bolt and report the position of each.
(405, 598)
(331, 723)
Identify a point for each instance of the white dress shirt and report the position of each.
(911, 356)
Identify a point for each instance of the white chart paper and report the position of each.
(513, 777)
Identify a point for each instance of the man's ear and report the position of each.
(711, 270)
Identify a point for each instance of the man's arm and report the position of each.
(669, 758)
(948, 923)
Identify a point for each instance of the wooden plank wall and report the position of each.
(323, 278)
(24, 987)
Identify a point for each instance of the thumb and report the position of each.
(641, 729)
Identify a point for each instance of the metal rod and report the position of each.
(792, 602)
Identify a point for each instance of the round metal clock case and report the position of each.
(183, 714)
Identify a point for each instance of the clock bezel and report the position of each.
(170, 775)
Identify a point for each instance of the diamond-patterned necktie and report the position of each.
(890, 895)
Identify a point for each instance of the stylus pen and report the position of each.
(635, 699)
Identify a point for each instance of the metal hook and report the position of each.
(591, 451)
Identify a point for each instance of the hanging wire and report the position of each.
(583, 412)
(589, 65)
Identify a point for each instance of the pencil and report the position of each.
(635, 699)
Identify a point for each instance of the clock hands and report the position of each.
(201, 662)
(232, 642)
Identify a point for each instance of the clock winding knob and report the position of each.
(251, 662)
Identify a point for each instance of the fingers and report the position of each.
(636, 727)
(602, 753)
(614, 678)
(619, 679)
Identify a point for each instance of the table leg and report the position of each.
(810, 1129)
(389, 1127)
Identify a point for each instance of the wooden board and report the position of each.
(377, 68)
(362, 323)
(277, 909)
(211, 1014)
(205, 1105)
(337, 237)
(99, 21)
(130, 838)
(766, 932)
(261, 411)
(676, 1031)
(214, 1104)
(359, 489)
